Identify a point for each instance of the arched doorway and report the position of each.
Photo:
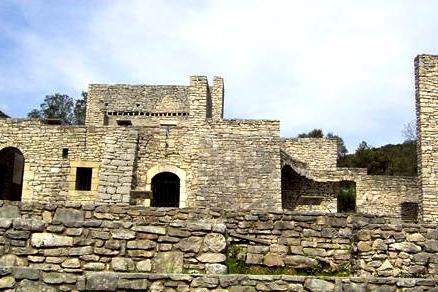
(11, 174)
(165, 190)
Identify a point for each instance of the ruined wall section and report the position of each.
(384, 195)
(317, 153)
(426, 83)
(239, 164)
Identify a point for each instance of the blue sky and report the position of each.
(343, 66)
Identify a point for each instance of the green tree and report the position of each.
(63, 107)
(342, 149)
(80, 109)
(315, 133)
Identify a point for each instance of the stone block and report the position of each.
(319, 285)
(101, 281)
(211, 257)
(150, 229)
(9, 212)
(214, 242)
(7, 282)
(168, 262)
(68, 217)
(123, 234)
(122, 264)
(299, 262)
(50, 240)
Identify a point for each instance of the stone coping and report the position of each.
(30, 279)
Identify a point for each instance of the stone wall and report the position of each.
(34, 280)
(70, 240)
(50, 175)
(239, 165)
(426, 83)
(399, 250)
(384, 195)
(317, 153)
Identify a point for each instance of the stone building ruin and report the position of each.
(170, 146)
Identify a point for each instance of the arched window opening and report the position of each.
(165, 190)
(11, 174)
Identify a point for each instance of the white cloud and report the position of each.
(341, 65)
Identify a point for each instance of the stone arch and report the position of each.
(153, 171)
(11, 173)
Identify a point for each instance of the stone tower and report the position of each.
(426, 84)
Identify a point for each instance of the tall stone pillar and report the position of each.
(199, 93)
(217, 97)
(426, 84)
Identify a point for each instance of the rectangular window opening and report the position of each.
(64, 152)
(83, 178)
(124, 123)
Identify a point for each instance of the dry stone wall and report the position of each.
(33, 280)
(73, 238)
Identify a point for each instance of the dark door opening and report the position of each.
(165, 190)
(11, 174)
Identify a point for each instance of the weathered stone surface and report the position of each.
(298, 261)
(78, 251)
(141, 244)
(7, 282)
(94, 266)
(168, 262)
(431, 245)
(150, 229)
(210, 257)
(273, 260)
(26, 273)
(215, 242)
(50, 240)
(215, 269)
(122, 234)
(205, 282)
(102, 281)
(71, 263)
(133, 284)
(122, 264)
(191, 244)
(28, 224)
(406, 247)
(318, 285)
(242, 289)
(254, 259)
(144, 266)
(363, 246)
(9, 212)
(32, 286)
(68, 217)
(58, 278)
